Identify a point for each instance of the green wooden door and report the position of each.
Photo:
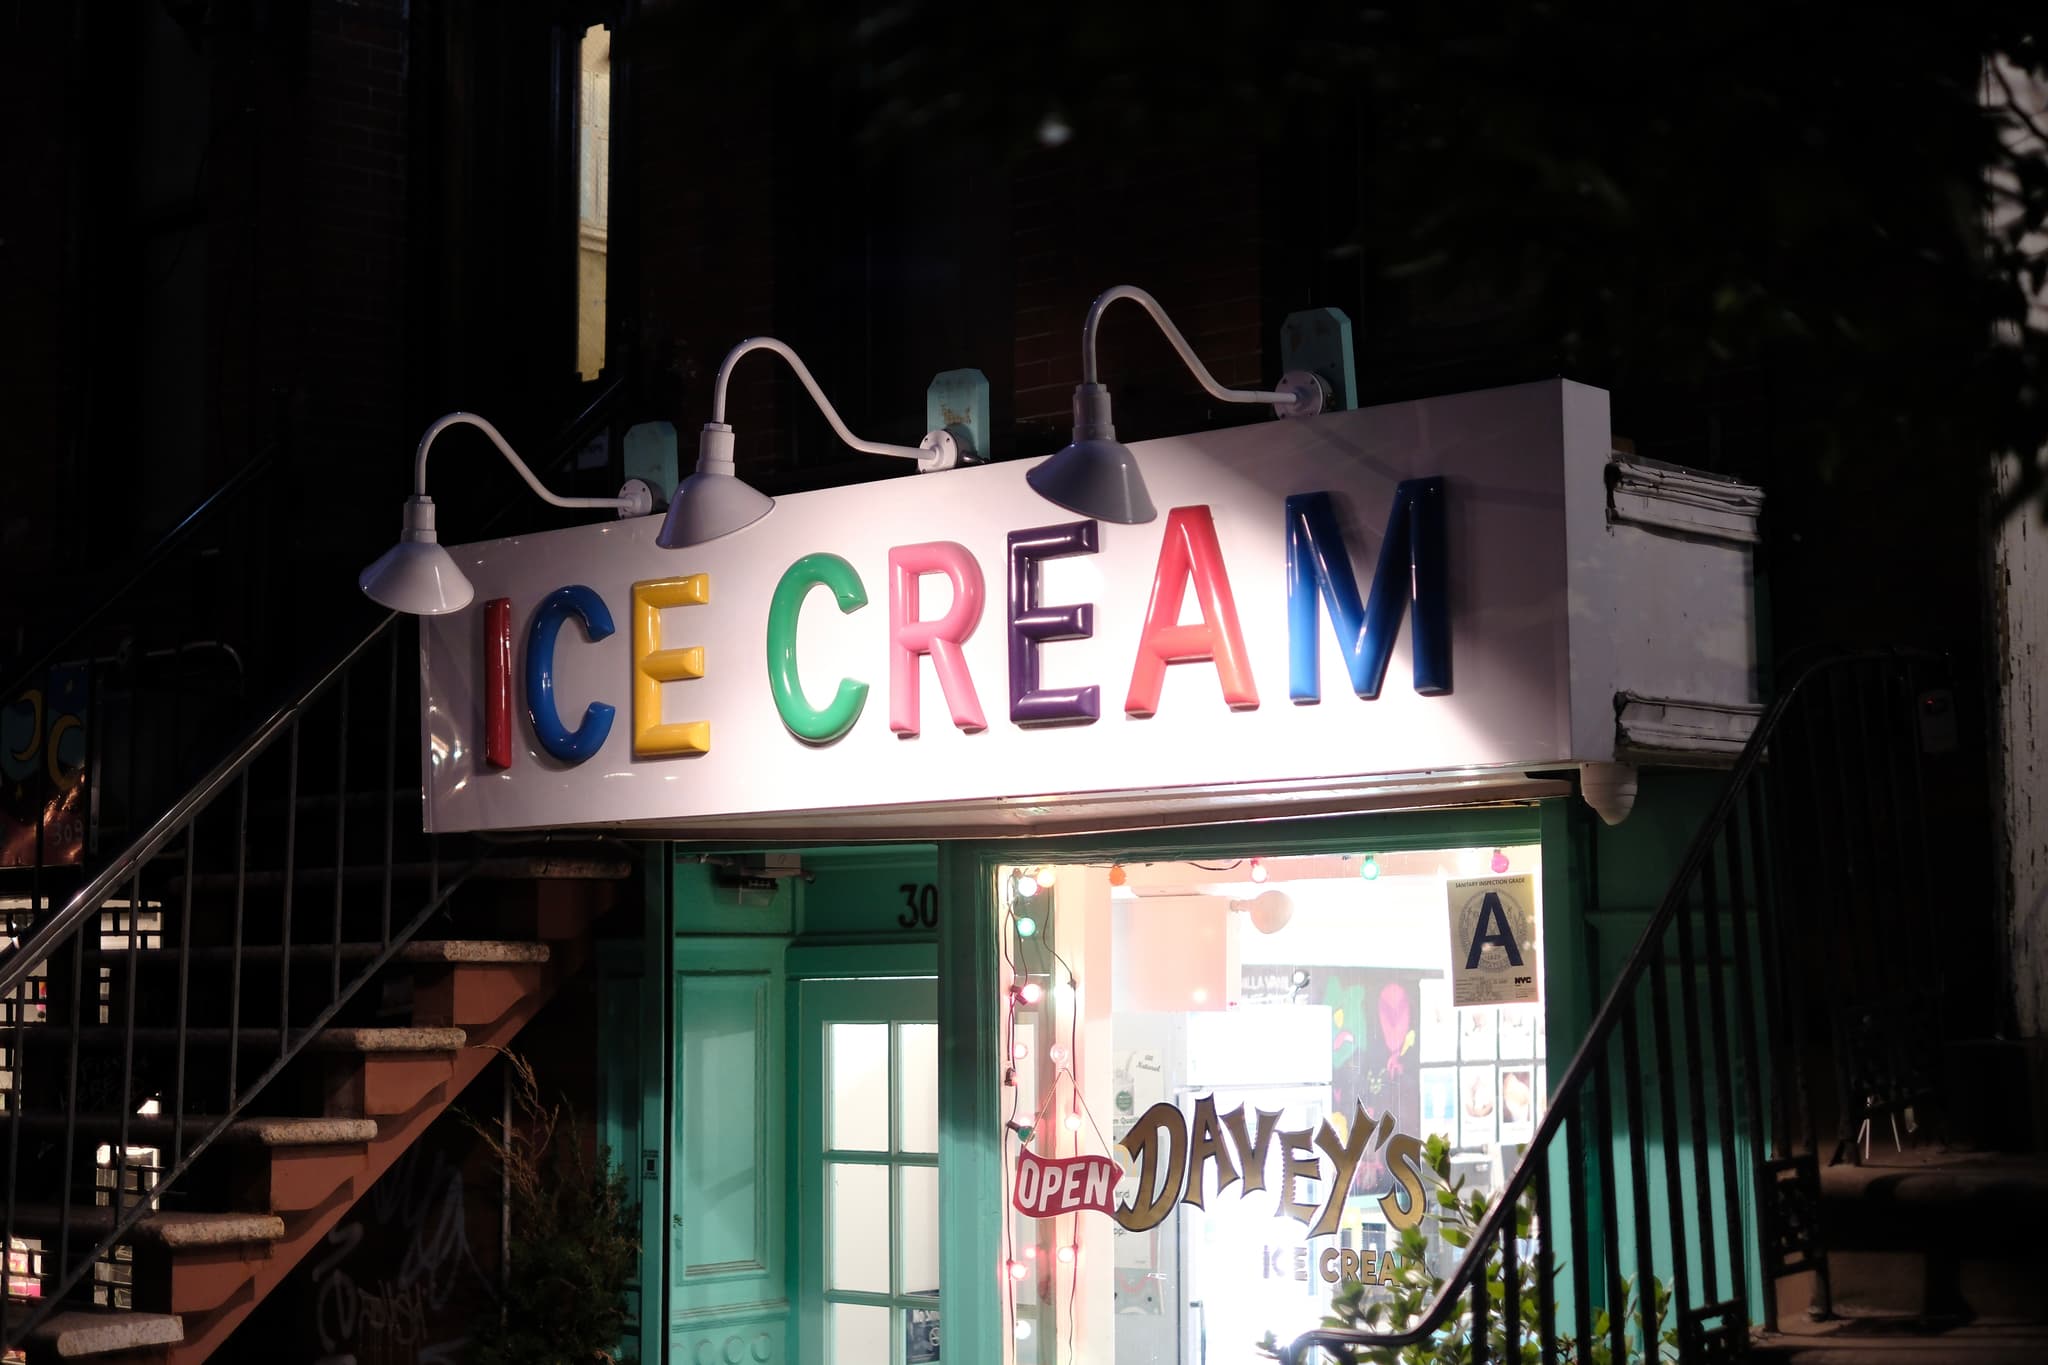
(868, 1171)
(727, 1236)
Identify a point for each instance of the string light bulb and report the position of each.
(1023, 1329)
(1018, 1270)
(1063, 994)
(1045, 875)
(1030, 993)
(1026, 883)
(1020, 1051)
(1370, 868)
(1258, 870)
(1117, 875)
(1067, 1254)
(1500, 861)
(1056, 1054)
(1073, 1123)
(1024, 1131)
(1026, 926)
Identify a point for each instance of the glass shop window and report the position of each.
(1221, 1077)
(593, 195)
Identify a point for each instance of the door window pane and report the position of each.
(860, 1334)
(857, 1056)
(917, 1097)
(859, 1202)
(918, 1228)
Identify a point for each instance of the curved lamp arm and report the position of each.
(635, 501)
(1282, 398)
(936, 454)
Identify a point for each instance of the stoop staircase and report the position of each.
(218, 1044)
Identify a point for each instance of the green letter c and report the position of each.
(805, 721)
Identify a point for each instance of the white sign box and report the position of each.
(1202, 696)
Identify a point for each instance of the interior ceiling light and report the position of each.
(714, 502)
(417, 575)
(1097, 475)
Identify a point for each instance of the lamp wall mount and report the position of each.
(635, 499)
(938, 450)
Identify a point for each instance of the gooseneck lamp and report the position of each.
(419, 577)
(1097, 475)
(713, 501)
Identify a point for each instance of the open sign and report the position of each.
(1050, 1186)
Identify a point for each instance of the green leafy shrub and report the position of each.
(1457, 1213)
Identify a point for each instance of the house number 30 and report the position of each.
(920, 906)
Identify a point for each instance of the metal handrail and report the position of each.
(72, 926)
(56, 928)
(1591, 1052)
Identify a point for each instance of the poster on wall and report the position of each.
(1493, 940)
(1440, 1103)
(1517, 1103)
(1375, 1014)
(1439, 1032)
(1478, 1107)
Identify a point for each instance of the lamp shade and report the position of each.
(1099, 478)
(708, 506)
(712, 501)
(1096, 475)
(417, 575)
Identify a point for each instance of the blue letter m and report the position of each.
(1413, 567)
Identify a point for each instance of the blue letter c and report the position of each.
(570, 746)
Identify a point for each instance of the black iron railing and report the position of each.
(1673, 1179)
(148, 998)
(146, 1014)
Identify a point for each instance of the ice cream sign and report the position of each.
(1364, 593)
(1188, 1159)
(1410, 574)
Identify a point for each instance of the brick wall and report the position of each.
(1182, 223)
(347, 323)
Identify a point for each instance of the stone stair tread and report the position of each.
(454, 951)
(301, 1132)
(81, 1332)
(266, 1132)
(169, 1228)
(517, 867)
(326, 1040)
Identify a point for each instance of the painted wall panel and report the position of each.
(727, 1236)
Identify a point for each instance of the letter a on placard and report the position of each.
(1493, 928)
(1495, 939)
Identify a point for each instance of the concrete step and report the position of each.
(434, 952)
(105, 1334)
(98, 1036)
(1930, 1237)
(515, 867)
(1846, 1342)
